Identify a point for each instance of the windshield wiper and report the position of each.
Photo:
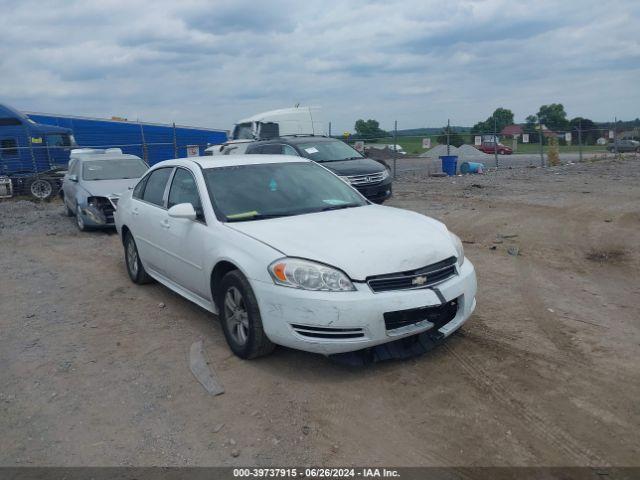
(259, 216)
(340, 207)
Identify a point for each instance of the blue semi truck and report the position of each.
(35, 148)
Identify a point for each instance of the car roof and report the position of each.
(101, 157)
(231, 160)
(296, 139)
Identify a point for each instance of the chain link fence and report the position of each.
(513, 146)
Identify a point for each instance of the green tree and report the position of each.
(553, 116)
(531, 127)
(455, 138)
(503, 117)
(369, 129)
(590, 132)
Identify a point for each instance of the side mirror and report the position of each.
(73, 178)
(183, 210)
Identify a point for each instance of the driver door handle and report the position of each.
(165, 223)
(134, 211)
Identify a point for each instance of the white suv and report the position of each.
(287, 253)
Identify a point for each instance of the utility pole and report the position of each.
(395, 151)
(580, 138)
(615, 144)
(495, 139)
(329, 129)
(175, 142)
(540, 138)
(448, 129)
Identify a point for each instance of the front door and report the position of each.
(184, 239)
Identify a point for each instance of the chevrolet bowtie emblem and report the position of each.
(419, 280)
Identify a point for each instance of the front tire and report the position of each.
(40, 188)
(240, 317)
(80, 220)
(135, 269)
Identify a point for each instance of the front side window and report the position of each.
(243, 131)
(184, 190)
(328, 151)
(155, 186)
(113, 169)
(9, 147)
(253, 192)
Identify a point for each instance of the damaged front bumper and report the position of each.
(336, 322)
(98, 212)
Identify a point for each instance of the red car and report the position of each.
(490, 148)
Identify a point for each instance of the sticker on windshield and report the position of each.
(334, 201)
(273, 185)
(311, 150)
(236, 216)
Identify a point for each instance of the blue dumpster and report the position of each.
(449, 164)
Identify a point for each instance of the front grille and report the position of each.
(438, 315)
(327, 332)
(368, 179)
(424, 277)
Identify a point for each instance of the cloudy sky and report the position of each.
(210, 63)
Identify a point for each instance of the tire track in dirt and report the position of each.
(543, 428)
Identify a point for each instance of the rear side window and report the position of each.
(137, 191)
(9, 147)
(269, 149)
(155, 186)
(289, 150)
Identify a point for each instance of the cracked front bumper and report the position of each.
(348, 321)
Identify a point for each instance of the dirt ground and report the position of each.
(94, 370)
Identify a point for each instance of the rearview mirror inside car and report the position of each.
(183, 210)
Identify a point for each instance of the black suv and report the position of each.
(368, 176)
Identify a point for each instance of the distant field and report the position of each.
(413, 146)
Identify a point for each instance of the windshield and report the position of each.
(328, 151)
(254, 192)
(114, 169)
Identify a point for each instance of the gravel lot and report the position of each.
(95, 369)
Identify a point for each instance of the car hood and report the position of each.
(358, 166)
(108, 188)
(362, 241)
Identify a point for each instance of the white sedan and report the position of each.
(285, 252)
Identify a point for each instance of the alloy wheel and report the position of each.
(236, 316)
(132, 258)
(41, 189)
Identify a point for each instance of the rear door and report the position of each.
(149, 210)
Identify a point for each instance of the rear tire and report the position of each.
(240, 317)
(135, 269)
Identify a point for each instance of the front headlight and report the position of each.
(459, 248)
(385, 174)
(344, 179)
(307, 275)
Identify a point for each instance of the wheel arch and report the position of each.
(124, 231)
(217, 273)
